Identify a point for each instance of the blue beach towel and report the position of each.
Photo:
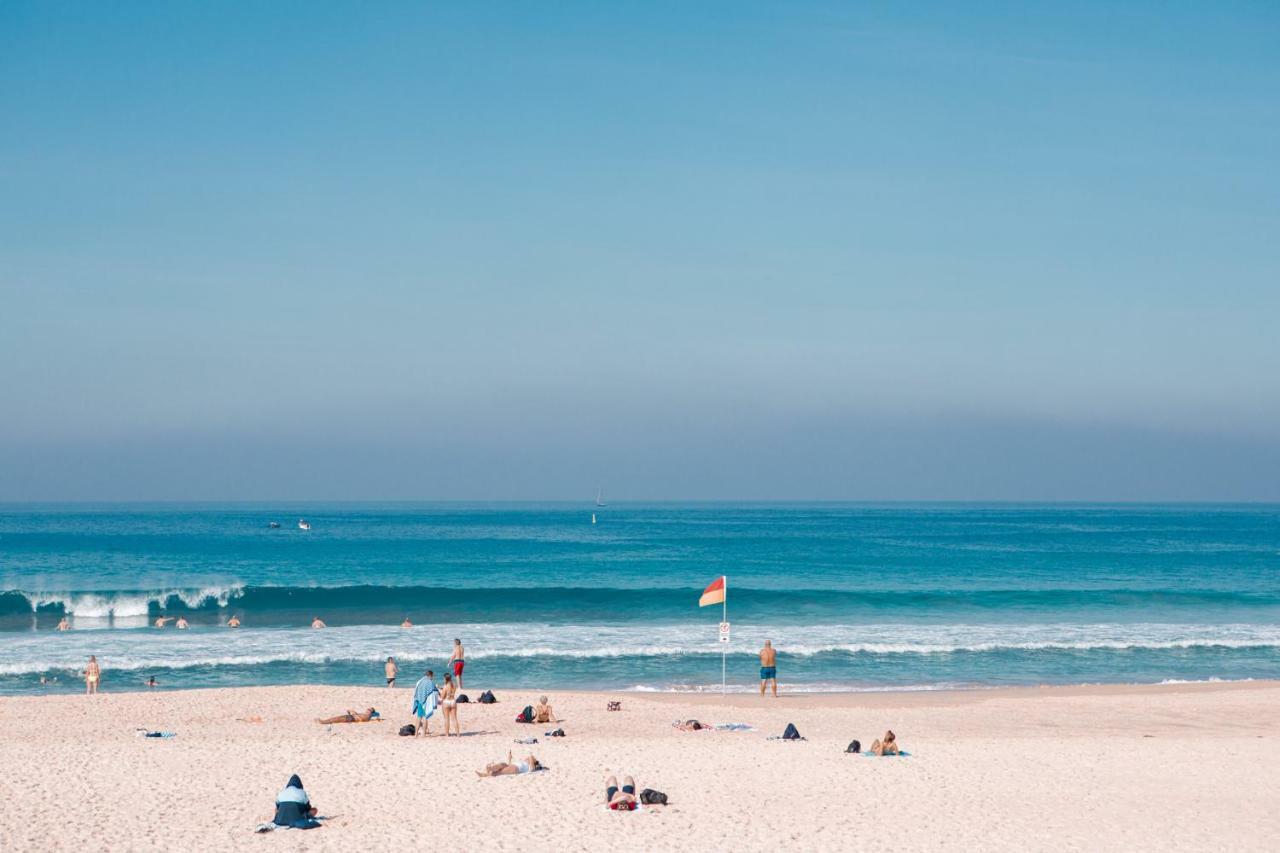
(890, 755)
(426, 697)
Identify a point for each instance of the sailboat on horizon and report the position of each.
(600, 498)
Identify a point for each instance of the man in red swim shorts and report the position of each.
(457, 662)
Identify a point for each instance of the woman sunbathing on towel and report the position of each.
(622, 800)
(689, 726)
(350, 717)
(888, 746)
(510, 768)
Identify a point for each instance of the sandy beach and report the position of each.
(1186, 767)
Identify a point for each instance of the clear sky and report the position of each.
(300, 250)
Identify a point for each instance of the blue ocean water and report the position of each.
(855, 597)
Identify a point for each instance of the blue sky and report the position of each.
(713, 250)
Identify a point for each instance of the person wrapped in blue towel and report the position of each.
(426, 698)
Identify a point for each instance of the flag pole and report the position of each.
(724, 646)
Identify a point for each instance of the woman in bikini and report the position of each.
(92, 675)
(542, 712)
(510, 767)
(449, 703)
(888, 746)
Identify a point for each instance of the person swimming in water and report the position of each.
(233, 622)
(181, 623)
(316, 623)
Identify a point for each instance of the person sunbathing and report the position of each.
(689, 725)
(888, 746)
(620, 799)
(350, 717)
(509, 767)
(542, 712)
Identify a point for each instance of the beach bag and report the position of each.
(525, 716)
(408, 730)
(614, 706)
(463, 700)
(486, 698)
(792, 733)
(651, 797)
(854, 746)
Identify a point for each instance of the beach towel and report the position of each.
(426, 697)
(526, 740)
(735, 727)
(145, 733)
(900, 754)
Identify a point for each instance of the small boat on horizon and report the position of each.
(303, 524)
(274, 525)
(600, 498)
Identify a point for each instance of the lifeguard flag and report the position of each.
(713, 594)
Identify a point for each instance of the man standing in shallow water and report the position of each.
(456, 662)
(768, 667)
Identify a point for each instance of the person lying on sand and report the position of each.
(350, 717)
(888, 746)
(689, 726)
(542, 712)
(509, 767)
(623, 800)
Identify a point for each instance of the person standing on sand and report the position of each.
(449, 702)
(92, 675)
(425, 698)
(392, 671)
(456, 663)
(768, 667)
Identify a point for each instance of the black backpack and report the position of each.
(463, 700)
(792, 733)
(651, 797)
(408, 730)
(486, 698)
(854, 746)
(526, 716)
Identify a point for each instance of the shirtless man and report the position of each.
(160, 620)
(233, 622)
(406, 623)
(349, 717)
(316, 623)
(181, 623)
(92, 675)
(64, 625)
(457, 662)
(768, 667)
(392, 671)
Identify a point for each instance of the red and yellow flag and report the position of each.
(713, 594)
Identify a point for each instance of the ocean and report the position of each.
(854, 596)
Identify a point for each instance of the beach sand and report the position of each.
(1185, 767)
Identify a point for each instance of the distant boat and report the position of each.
(600, 498)
(593, 518)
(273, 525)
(303, 524)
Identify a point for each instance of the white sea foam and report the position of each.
(130, 605)
(148, 648)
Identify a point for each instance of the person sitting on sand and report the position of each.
(181, 623)
(622, 800)
(64, 625)
(350, 717)
(293, 807)
(316, 623)
(542, 712)
(510, 768)
(888, 746)
(233, 622)
(689, 725)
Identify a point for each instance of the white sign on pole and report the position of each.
(724, 632)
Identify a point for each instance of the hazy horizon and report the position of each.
(717, 252)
